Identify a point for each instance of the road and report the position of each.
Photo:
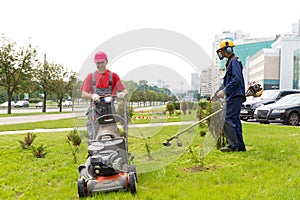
(32, 109)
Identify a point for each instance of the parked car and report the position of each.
(268, 97)
(39, 104)
(285, 110)
(5, 104)
(22, 104)
(66, 103)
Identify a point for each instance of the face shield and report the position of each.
(220, 54)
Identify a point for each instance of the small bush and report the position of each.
(39, 152)
(203, 104)
(178, 112)
(202, 133)
(74, 138)
(170, 108)
(176, 105)
(28, 140)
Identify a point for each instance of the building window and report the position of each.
(296, 70)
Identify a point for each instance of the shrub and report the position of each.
(74, 138)
(176, 105)
(203, 104)
(130, 111)
(202, 133)
(177, 112)
(170, 108)
(39, 152)
(28, 140)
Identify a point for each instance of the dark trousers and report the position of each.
(232, 125)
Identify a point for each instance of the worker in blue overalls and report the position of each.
(233, 89)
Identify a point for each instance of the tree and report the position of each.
(151, 96)
(55, 79)
(135, 97)
(76, 94)
(161, 97)
(45, 74)
(131, 86)
(16, 68)
(63, 83)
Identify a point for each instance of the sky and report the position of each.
(70, 31)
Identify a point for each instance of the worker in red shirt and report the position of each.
(102, 80)
(101, 87)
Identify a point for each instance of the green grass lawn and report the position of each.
(31, 113)
(270, 169)
(50, 124)
(70, 122)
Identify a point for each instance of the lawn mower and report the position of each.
(107, 167)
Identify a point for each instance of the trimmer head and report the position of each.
(167, 143)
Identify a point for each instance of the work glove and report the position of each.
(121, 95)
(95, 97)
(221, 94)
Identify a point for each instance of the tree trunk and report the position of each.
(9, 96)
(60, 104)
(44, 102)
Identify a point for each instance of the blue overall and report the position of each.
(98, 109)
(234, 88)
(102, 108)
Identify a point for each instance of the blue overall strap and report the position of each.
(110, 81)
(93, 81)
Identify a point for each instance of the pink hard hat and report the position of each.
(100, 57)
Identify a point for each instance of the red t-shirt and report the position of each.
(102, 81)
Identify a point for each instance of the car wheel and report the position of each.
(244, 118)
(293, 119)
(264, 122)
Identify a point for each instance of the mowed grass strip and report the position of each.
(48, 124)
(72, 122)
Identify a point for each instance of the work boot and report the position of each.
(228, 149)
(243, 149)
